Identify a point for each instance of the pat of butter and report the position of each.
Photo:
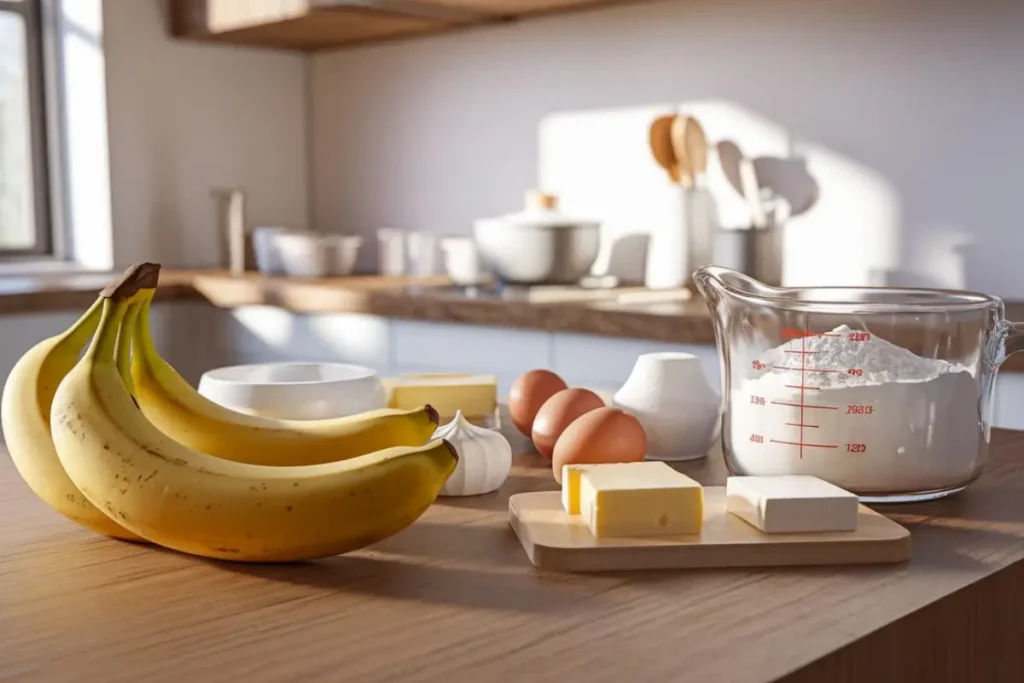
(646, 499)
(475, 395)
(571, 480)
(791, 504)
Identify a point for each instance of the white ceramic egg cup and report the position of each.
(679, 409)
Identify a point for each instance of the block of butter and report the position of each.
(571, 481)
(649, 499)
(475, 395)
(791, 504)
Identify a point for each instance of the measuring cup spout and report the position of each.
(713, 282)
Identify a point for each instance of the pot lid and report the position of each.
(541, 211)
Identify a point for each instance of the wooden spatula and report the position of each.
(696, 144)
(679, 148)
(661, 146)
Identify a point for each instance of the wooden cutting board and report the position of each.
(555, 540)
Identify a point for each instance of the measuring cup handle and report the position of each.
(1014, 339)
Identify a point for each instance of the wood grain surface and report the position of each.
(453, 598)
(634, 313)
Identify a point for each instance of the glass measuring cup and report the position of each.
(885, 392)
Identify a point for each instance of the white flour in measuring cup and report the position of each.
(876, 417)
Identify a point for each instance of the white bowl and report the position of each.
(295, 391)
(306, 254)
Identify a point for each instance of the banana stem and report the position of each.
(104, 342)
(123, 349)
(143, 339)
(83, 328)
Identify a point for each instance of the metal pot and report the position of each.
(538, 246)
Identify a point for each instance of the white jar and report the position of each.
(677, 406)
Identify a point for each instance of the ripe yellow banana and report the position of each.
(25, 414)
(204, 505)
(178, 410)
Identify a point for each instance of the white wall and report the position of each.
(185, 118)
(922, 96)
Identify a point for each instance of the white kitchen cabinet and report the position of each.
(262, 334)
(192, 336)
(442, 347)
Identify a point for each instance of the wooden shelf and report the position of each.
(320, 24)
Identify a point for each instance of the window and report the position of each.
(24, 216)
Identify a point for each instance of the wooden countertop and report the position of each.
(453, 598)
(671, 317)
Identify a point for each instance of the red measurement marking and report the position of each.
(808, 353)
(757, 400)
(804, 405)
(856, 448)
(859, 410)
(803, 445)
(801, 424)
(756, 438)
(795, 334)
(758, 365)
(801, 387)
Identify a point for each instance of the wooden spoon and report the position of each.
(661, 146)
(696, 143)
(678, 136)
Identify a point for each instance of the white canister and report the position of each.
(462, 261)
(679, 409)
(391, 249)
(685, 243)
(422, 252)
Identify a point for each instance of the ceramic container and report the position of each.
(306, 254)
(391, 252)
(422, 253)
(541, 245)
(686, 243)
(462, 261)
(266, 251)
(295, 391)
(679, 409)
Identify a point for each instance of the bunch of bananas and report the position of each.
(121, 444)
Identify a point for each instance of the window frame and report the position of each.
(42, 109)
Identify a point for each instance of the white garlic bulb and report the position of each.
(485, 458)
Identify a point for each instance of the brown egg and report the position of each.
(600, 436)
(528, 394)
(557, 413)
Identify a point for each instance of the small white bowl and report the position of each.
(295, 391)
(305, 254)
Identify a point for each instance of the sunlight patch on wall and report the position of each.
(600, 164)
